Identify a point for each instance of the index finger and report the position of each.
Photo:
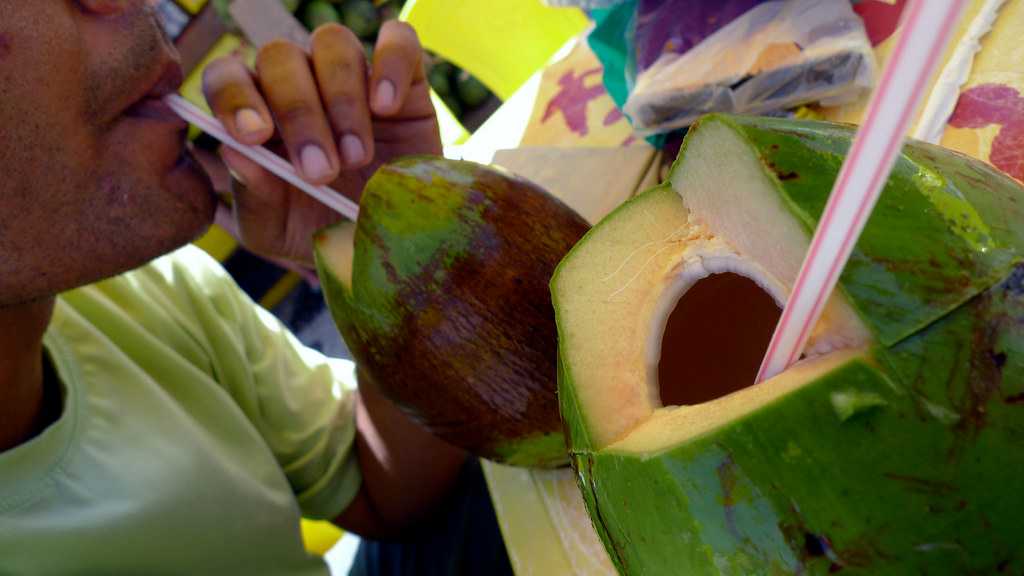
(231, 92)
(397, 67)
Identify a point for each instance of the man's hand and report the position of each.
(333, 118)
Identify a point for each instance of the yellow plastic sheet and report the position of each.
(193, 6)
(320, 536)
(452, 131)
(501, 42)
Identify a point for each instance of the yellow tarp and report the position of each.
(501, 42)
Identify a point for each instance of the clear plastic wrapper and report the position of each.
(677, 26)
(772, 55)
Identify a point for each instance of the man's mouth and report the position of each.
(154, 108)
(151, 105)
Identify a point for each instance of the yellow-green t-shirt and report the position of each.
(195, 431)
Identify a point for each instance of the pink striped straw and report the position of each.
(265, 158)
(926, 31)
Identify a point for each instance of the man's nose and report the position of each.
(112, 7)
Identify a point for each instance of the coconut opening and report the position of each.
(715, 339)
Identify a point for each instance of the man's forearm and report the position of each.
(406, 470)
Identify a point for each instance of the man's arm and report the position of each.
(406, 470)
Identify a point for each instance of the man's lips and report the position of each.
(154, 108)
(150, 105)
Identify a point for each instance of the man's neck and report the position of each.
(21, 371)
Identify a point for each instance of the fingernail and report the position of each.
(384, 96)
(314, 162)
(352, 149)
(249, 121)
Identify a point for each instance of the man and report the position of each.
(152, 419)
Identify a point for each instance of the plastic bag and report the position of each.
(772, 55)
(678, 26)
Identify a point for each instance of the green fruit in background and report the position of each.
(440, 291)
(389, 10)
(319, 12)
(893, 448)
(439, 77)
(443, 67)
(222, 9)
(439, 82)
(361, 17)
(471, 91)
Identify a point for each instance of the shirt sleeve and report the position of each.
(301, 402)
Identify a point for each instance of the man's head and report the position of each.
(93, 176)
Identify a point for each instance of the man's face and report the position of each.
(94, 179)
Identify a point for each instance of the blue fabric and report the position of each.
(461, 538)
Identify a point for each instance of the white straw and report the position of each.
(926, 31)
(265, 158)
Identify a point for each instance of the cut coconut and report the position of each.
(632, 285)
(891, 440)
(726, 189)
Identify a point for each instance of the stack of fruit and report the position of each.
(361, 16)
(461, 92)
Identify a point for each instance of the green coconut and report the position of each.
(441, 293)
(472, 92)
(892, 447)
(319, 12)
(361, 17)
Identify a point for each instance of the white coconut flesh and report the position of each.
(667, 307)
(336, 247)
